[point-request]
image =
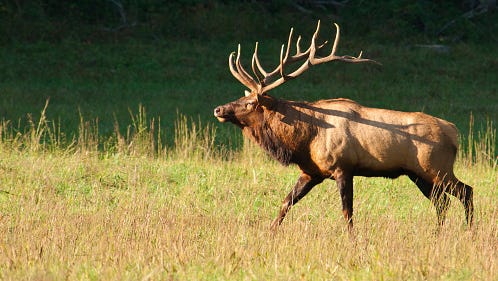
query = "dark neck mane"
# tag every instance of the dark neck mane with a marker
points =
(270, 141)
(284, 132)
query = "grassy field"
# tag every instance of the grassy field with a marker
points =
(123, 174)
(195, 212)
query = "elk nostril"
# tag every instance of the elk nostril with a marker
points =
(217, 111)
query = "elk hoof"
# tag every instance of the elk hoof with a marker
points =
(274, 226)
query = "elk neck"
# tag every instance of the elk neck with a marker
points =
(282, 132)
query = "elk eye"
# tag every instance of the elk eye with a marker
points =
(250, 105)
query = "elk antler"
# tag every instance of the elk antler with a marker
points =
(269, 80)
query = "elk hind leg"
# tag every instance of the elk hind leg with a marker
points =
(464, 193)
(437, 196)
(304, 184)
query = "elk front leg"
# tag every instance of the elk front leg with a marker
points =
(345, 185)
(304, 184)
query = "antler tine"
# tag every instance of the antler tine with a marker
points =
(282, 60)
(269, 76)
(279, 69)
(336, 40)
(259, 72)
(288, 45)
(298, 56)
(239, 73)
(298, 46)
(232, 69)
(240, 69)
(332, 55)
(312, 48)
(291, 59)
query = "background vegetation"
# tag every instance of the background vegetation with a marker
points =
(112, 167)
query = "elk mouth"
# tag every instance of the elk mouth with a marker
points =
(222, 114)
(222, 119)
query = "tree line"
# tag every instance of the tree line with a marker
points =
(430, 18)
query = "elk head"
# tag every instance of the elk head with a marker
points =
(244, 111)
(248, 109)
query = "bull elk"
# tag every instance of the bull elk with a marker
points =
(339, 138)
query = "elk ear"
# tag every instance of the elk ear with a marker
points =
(247, 93)
(266, 101)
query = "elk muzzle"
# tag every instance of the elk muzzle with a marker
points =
(223, 113)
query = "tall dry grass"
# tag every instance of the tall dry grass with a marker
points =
(131, 208)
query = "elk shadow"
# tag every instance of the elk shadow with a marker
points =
(294, 115)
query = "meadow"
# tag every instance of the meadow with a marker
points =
(113, 168)
(197, 212)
